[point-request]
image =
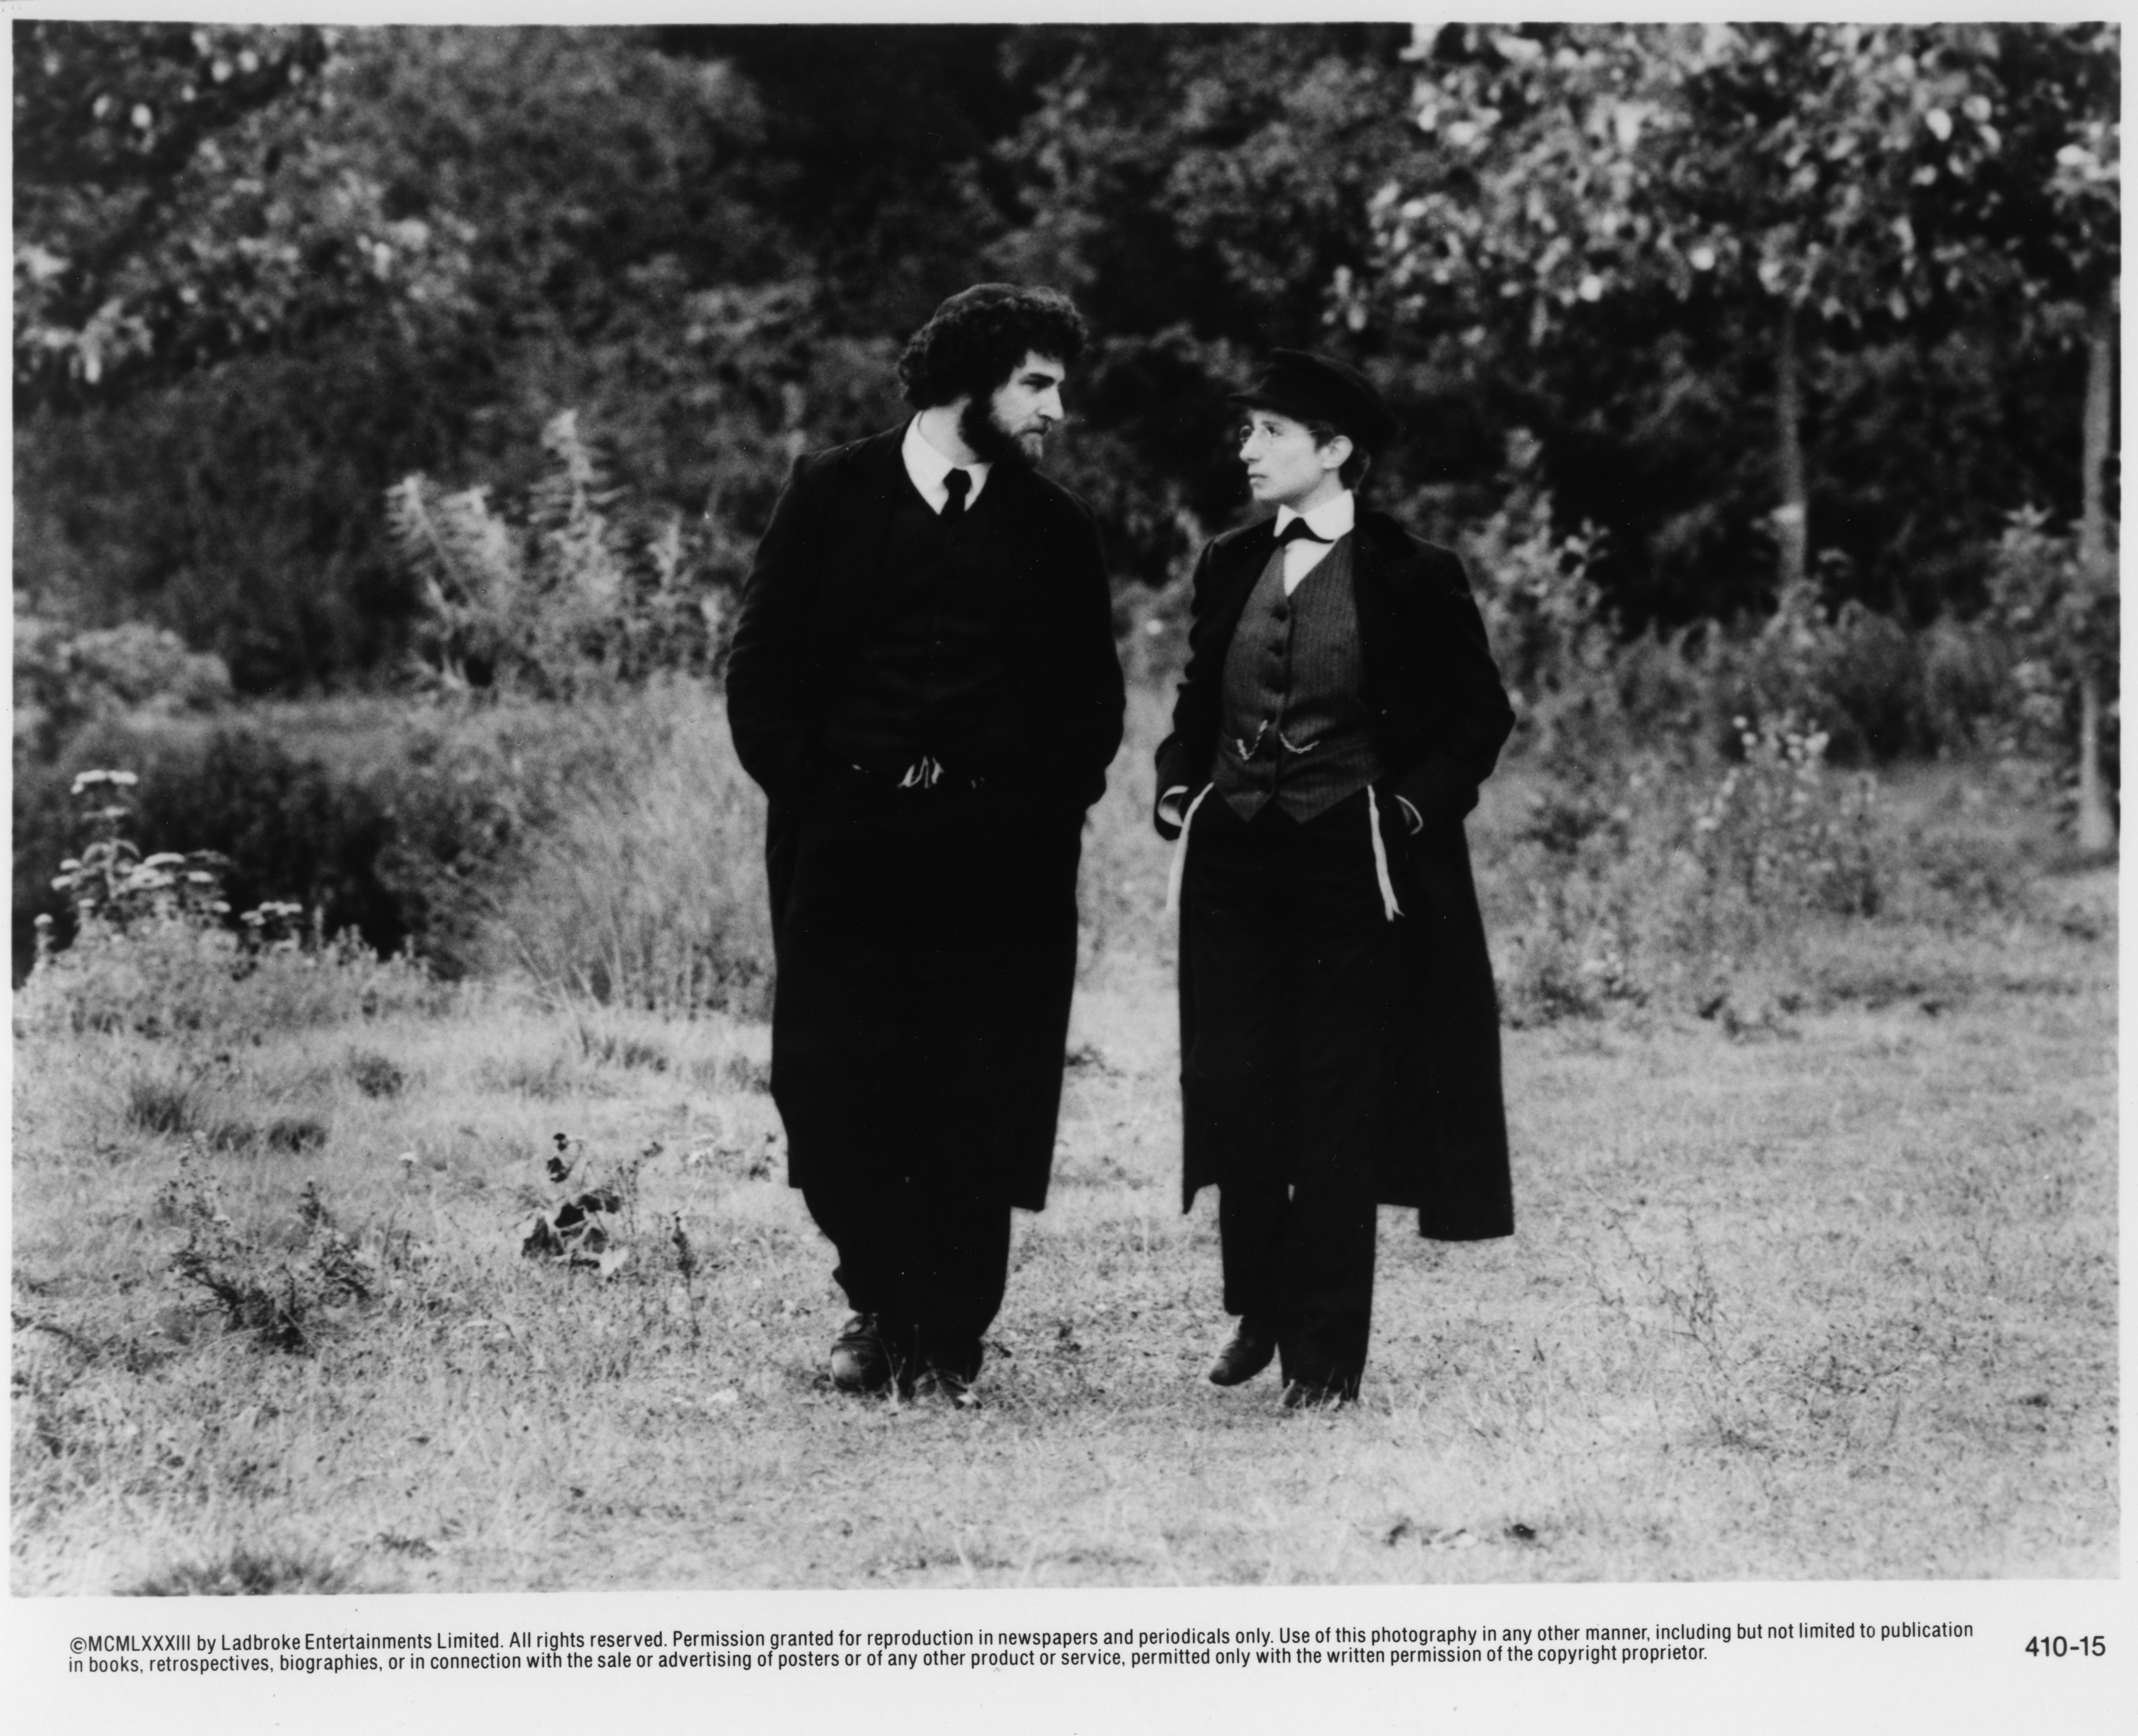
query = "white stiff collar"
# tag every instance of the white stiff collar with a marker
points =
(1330, 520)
(928, 468)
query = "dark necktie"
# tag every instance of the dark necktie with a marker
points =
(1300, 531)
(953, 509)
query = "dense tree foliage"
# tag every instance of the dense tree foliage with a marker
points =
(264, 274)
(1796, 177)
(182, 197)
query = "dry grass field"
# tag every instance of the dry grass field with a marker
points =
(1821, 1285)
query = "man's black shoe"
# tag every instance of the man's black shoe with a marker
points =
(1318, 1395)
(1246, 1354)
(861, 1363)
(936, 1384)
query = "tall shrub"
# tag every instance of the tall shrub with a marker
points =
(557, 593)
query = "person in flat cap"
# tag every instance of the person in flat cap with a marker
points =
(1340, 1031)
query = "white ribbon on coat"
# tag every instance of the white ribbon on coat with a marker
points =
(1389, 909)
(1178, 871)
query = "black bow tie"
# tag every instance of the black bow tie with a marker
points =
(1299, 530)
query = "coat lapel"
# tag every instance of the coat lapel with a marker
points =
(867, 494)
(1385, 645)
(1244, 562)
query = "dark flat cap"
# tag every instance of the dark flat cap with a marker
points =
(1308, 388)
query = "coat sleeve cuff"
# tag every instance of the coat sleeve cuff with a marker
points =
(1171, 812)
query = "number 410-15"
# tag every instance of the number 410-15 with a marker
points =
(2056, 1645)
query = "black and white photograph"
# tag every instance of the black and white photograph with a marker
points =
(1033, 808)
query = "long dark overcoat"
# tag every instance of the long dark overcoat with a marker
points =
(803, 621)
(1442, 715)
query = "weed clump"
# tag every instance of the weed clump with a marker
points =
(374, 1074)
(585, 1228)
(159, 1105)
(282, 1301)
(246, 1573)
(294, 1134)
(687, 1269)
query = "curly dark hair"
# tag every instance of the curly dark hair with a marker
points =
(972, 342)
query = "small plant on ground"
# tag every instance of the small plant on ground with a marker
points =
(687, 1269)
(375, 1074)
(283, 1300)
(583, 1228)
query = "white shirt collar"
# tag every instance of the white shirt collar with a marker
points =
(928, 468)
(1330, 519)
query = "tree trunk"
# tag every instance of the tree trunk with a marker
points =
(1791, 522)
(2096, 821)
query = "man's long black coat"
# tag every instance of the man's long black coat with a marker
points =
(1441, 716)
(802, 625)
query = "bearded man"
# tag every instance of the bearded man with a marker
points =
(922, 679)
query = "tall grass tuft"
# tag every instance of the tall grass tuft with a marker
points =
(648, 889)
(247, 1573)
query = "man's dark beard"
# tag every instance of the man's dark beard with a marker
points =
(991, 442)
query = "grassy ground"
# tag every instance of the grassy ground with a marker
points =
(1821, 1293)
